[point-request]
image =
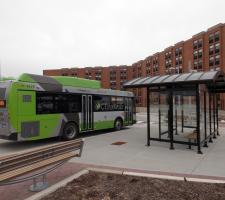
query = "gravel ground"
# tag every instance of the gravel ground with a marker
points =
(102, 186)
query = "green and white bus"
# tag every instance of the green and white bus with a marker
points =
(36, 107)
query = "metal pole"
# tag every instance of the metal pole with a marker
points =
(159, 111)
(210, 118)
(198, 119)
(205, 122)
(176, 115)
(170, 118)
(217, 114)
(182, 114)
(214, 116)
(148, 118)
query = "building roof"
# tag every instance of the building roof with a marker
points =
(176, 79)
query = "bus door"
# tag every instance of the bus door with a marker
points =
(128, 110)
(87, 113)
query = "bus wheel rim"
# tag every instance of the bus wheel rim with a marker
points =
(118, 124)
(70, 132)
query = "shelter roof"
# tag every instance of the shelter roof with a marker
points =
(176, 79)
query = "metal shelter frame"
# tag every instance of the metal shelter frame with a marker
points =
(201, 85)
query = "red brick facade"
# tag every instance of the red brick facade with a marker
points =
(203, 52)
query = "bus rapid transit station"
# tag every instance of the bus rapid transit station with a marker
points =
(36, 107)
(186, 105)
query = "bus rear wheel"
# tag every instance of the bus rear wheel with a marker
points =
(70, 131)
(118, 124)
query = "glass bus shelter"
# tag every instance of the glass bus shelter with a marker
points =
(185, 107)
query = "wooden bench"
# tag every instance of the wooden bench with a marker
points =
(191, 136)
(42, 160)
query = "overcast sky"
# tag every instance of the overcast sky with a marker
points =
(48, 34)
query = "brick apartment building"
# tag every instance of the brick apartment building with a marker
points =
(203, 52)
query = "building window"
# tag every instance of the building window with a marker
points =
(195, 44)
(98, 75)
(200, 53)
(217, 47)
(200, 64)
(113, 85)
(180, 51)
(196, 64)
(112, 75)
(74, 74)
(211, 38)
(176, 52)
(88, 75)
(211, 61)
(200, 43)
(217, 36)
(168, 62)
(217, 60)
(98, 78)
(195, 54)
(211, 49)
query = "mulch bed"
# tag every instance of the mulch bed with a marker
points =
(102, 186)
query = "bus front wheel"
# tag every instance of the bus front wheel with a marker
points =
(118, 124)
(70, 131)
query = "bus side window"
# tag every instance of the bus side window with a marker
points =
(44, 103)
(118, 103)
(67, 103)
(101, 103)
(74, 103)
(26, 98)
(48, 103)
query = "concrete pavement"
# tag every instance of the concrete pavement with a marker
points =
(135, 154)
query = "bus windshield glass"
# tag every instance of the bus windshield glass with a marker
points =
(3, 87)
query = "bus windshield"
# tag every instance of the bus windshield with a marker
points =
(3, 87)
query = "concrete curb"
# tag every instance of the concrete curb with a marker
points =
(169, 177)
(62, 183)
(153, 176)
(178, 178)
(205, 180)
(120, 172)
(58, 185)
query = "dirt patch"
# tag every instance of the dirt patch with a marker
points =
(102, 186)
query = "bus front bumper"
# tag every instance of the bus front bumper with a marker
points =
(12, 136)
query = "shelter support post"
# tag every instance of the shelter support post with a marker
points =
(217, 113)
(198, 119)
(170, 118)
(176, 115)
(214, 116)
(148, 117)
(182, 114)
(210, 118)
(205, 122)
(159, 110)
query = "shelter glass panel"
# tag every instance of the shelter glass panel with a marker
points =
(163, 113)
(182, 77)
(195, 76)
